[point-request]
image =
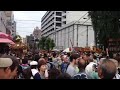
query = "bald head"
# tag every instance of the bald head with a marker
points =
(107, 69)
(115, 61)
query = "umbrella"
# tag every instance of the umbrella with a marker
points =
(4, 35)
(5, 40)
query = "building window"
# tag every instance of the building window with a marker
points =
(64, 22)
(64, 11)
(64, 16)
(58, 14)
(58, 19)
(58, 24)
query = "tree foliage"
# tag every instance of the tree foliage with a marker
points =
(46, 43)
(106, 25)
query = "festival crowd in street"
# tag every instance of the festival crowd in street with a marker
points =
(54, 65)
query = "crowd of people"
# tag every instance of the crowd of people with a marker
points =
(60, 65)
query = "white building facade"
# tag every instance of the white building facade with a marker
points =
(51, 21)
(75, 35)
(75, 28)
(70, 16)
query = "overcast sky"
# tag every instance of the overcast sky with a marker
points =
(24, 26)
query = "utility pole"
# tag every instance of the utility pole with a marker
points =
(87, 37)
(71, 44)
(77, 35)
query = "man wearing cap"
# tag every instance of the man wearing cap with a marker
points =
(34, 69)
(5, 71)
(13, 67)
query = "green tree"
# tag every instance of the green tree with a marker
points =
(106, 25)
(52, 44)
(46, 43)
(41, 43)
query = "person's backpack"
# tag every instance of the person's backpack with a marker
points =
(51, 65)
(25, 66)
(64, 67)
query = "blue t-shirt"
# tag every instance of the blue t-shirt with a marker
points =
(64, 67)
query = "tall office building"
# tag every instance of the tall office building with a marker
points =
(54, 21)
(51, 21)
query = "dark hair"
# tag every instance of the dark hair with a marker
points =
(33, 66)
(95, 57)
(36, 57)
(19, 70)
(53, 73)
(108, 69)
(81, 64)
(64, 76)
(15, 61)
(110, 55)
(27, 73)
(50, 59)
(25, 60)
(68, 54)
(45, 55)
(40, 63)
(74, 56)
(54, 55)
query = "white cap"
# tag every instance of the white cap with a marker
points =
(34, 63)
(5, 62)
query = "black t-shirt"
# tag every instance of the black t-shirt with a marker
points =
(37, 76)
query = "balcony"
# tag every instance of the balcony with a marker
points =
(51, 22)
(45, 15)
(47, 21)
(45, 18)
(48, 29)
(58, 21)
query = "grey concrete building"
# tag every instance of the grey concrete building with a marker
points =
(73, 30)
(51, 21)
(3, 20)
(75, 35)
(7, 23)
